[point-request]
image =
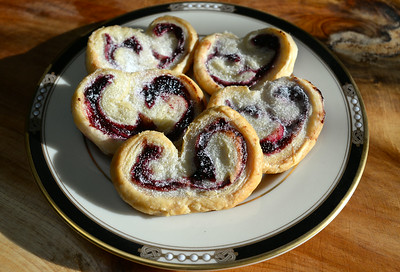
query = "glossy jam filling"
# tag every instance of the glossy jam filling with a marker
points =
(99, 119)
(161, 87)
(161, 29)
(205, 169)
(141, 173)
(110, 47)
(286, 130)
(265, 41)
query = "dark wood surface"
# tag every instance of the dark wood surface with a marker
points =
(365, 35)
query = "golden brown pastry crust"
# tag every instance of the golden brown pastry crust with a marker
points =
(237, 49)
(123, 104)
(302, 143)
(188, 199)
(149, 44)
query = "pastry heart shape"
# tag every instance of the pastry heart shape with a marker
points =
(218, 167)
(110, 106)
(287, 113)
(167, 43)
(223, 59)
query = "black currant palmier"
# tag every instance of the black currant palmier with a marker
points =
(168, 43)
(287, 113)
(109, 106)
(223, 59)
(219, 166)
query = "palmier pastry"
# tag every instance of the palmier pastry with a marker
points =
(287, 113)
(218, 167)
(223, 59)
(110, 106)
(168, 43)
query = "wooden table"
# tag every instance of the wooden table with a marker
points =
(365, 236)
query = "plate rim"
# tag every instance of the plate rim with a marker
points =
(359, 149)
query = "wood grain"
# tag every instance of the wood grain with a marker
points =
(364, 237)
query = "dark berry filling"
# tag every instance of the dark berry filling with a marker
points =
(252, 110)
(278, 140)
(142, 174)
(205, 169)
(265, 41)
(111, 46)
(161, 29)
(98, 118)
(286, 130)
(162, 86)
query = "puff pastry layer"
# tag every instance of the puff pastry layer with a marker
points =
(109, 106)
(219, 166)
(168, 43)
(288, 115)
(223, 59)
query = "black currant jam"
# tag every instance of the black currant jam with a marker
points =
(205, 170)
(161, 87)
(262, 41)
(252, 110)
(141, 172)
(98, 118)
(288, 129)
(110, 47)
(161, 29)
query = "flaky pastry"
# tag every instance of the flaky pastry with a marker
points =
(168, 43)
(109, 106)
(287, 113)
(219, 166)
(223, 59)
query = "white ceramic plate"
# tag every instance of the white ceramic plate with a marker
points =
(285, 211)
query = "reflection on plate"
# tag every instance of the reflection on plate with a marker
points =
(286, 210)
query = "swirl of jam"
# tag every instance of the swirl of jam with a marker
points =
(142, 174)
(265, 41)
(99, 119)
(286, 130)
(205, 171)
(110, 47)
(161, 87)
(161, 29)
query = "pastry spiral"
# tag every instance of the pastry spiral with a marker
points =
(218, 167)
(168, 43)
(287, 113)
(109, 106)
(223, 59)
